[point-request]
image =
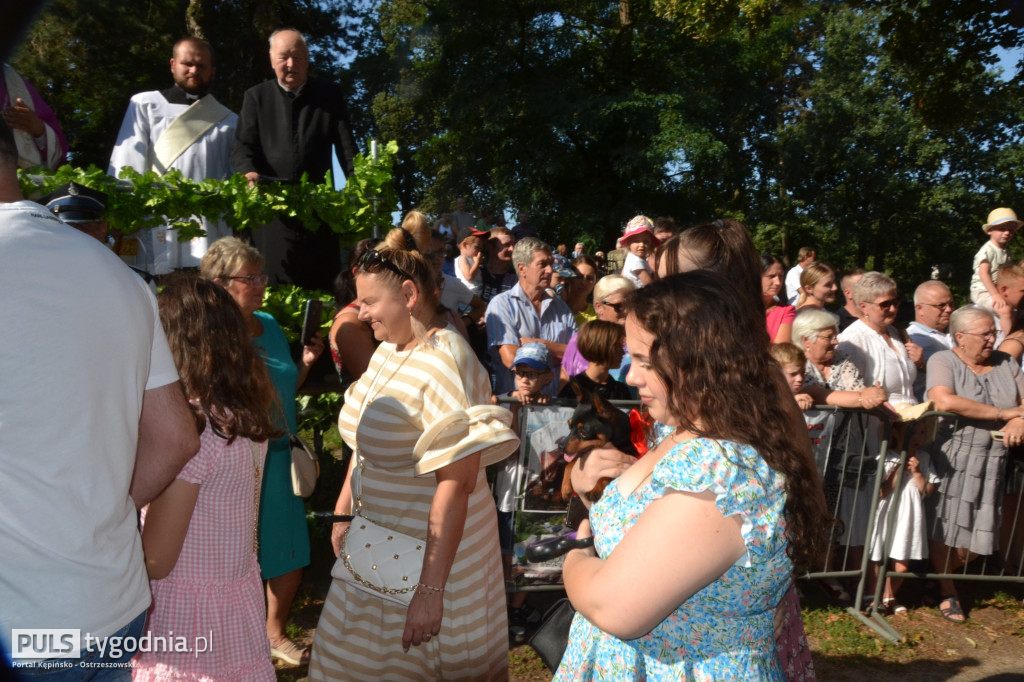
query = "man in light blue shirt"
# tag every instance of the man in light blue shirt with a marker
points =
(526, 313)
(933, 304)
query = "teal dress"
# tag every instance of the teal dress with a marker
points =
(283, 534)
(724, 631)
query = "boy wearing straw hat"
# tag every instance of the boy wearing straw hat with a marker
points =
(1001, 225)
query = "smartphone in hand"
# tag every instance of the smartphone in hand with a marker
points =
(311, 320)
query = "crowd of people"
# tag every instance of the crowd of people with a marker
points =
(959, 494)
(164, 503)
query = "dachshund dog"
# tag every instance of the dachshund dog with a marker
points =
(594, 423)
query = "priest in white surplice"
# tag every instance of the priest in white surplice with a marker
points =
(182, 127)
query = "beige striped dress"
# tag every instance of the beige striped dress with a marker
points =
(359, 636)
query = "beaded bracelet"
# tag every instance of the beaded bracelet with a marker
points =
(429, 589)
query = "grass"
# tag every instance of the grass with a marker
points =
(839, 634)
(294, 631)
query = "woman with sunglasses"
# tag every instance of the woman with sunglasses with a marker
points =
(884, 356)
(985, 388)
(610, 294)
(283, 535)
(421, 422)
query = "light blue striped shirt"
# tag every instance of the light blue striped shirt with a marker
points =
(511, 316)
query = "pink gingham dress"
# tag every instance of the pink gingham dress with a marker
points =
(214, 591)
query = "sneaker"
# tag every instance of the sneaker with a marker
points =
(524, 616)
(517, 634)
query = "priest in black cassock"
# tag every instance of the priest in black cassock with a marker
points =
(286, 128)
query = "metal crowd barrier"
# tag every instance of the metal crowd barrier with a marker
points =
(1006, 562)
(851, 447)
(539, 510)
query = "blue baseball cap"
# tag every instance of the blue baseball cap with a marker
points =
(533, 354)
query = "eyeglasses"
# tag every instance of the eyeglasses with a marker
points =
(617, 307)
(529, 374)
(940, 306)
(892, 303)
(373, 258)
(828, 338)
(252, 280)
(988, 336)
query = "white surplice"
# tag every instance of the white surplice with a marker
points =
(149, 114)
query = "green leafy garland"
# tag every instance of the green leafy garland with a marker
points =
(144, 200)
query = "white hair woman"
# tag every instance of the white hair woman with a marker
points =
(610, 293)
(984, 387)
(284, 536)
(876, 346)
(832, 378)
(831, 371)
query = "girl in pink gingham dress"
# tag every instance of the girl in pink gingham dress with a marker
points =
(208, 619)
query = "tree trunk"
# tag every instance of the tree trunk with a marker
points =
(194, 18)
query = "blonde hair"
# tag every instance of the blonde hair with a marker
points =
(1008, 273)
(872, 285)
(402, 251)
(811, 275)
(226, 256)
(610, 284)
(787, 354)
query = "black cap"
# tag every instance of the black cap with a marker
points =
(74, 203)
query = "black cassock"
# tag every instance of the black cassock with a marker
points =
(282, 136)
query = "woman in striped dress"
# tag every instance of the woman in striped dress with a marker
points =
(421, 374)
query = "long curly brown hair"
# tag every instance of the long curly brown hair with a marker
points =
(218, 366)
(722, 383)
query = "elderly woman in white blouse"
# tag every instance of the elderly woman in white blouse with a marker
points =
(884, 356)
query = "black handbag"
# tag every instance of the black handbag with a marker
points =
(552, 635)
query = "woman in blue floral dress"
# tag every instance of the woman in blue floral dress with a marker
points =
(695, 543)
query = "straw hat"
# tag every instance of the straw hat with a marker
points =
(1004, 217)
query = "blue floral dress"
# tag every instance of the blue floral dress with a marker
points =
(724, 631)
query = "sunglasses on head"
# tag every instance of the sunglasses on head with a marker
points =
(372, 260)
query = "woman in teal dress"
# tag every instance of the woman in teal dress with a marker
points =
(695, 543)
(283, 535)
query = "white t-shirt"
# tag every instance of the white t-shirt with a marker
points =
(995, 257)
(632, 265)
(793, 283)
(455, 295)
(79, 344)
(474, 284)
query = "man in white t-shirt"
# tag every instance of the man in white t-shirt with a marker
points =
(804, 257)
(93, 425)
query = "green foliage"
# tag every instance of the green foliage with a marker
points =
(876, 130)
(145, 200)
(868, 180)
(287, 305)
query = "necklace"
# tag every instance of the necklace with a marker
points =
(970, 365)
